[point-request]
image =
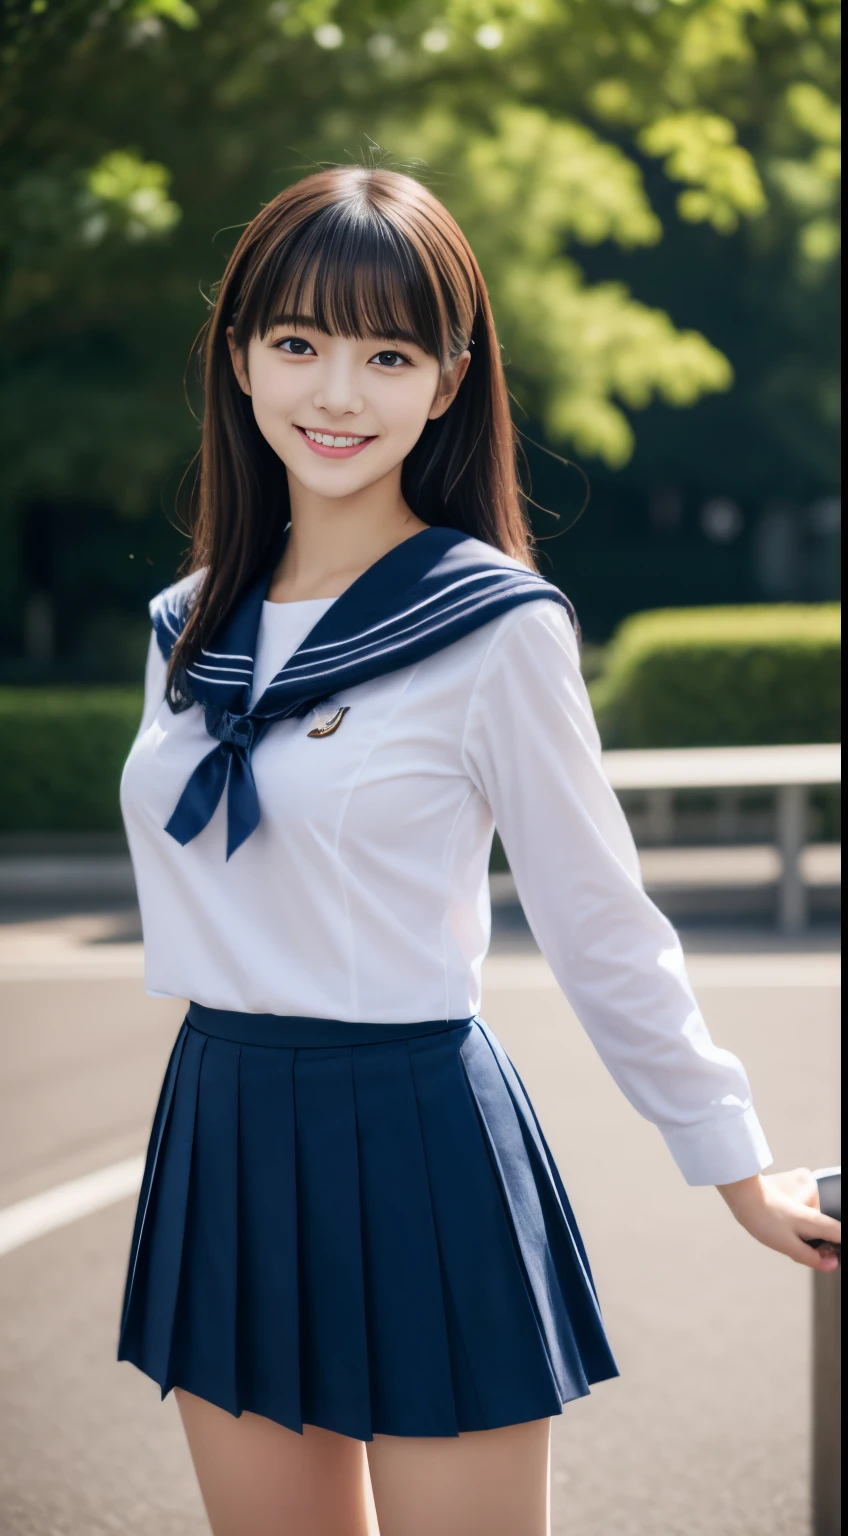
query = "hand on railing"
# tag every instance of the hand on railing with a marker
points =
(782, 1210)
(829, 1181)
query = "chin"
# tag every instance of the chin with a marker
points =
(334, 485)
(336, 478)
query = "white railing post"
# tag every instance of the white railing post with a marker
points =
(659, 822)
(791, 837)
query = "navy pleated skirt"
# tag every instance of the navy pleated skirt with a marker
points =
(359, 1227)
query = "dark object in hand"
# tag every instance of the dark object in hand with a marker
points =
(829, 1181)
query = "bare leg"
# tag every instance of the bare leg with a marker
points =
(258, 1479)
(492, 1483)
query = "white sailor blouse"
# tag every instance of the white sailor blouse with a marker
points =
(362, 894)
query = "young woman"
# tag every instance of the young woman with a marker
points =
(351, 1236)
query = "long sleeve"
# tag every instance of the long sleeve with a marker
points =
(531, 746)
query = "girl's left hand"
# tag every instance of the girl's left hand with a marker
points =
(780, 1210)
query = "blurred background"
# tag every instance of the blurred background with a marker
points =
(652, 188)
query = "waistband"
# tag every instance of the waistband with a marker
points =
(288, 1029)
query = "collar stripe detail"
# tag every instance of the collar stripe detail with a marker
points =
(425, 593)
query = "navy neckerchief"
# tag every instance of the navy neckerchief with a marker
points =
(426, 592)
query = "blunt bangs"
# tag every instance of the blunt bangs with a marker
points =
(349, 271)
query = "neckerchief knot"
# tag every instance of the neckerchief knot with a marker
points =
(231, 730)
(426, 593)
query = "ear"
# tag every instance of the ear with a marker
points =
(239, 361)
(449, 385)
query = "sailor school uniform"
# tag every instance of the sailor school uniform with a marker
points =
(350, 1216)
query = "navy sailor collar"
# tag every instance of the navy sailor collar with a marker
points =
(425, 593)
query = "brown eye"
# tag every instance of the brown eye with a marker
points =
(295, 346)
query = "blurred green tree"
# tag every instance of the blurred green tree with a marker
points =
(136, 136)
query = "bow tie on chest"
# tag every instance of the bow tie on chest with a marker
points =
(424, 594)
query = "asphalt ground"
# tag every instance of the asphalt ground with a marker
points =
(707, 1429)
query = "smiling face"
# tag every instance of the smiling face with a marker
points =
(341, 412)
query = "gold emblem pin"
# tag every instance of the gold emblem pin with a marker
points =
(330, 725)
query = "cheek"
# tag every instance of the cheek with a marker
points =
(406, 409)
(267, 378)
(274, 395)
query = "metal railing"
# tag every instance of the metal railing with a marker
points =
(789, 771)
(827, 1377)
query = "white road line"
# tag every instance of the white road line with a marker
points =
(27, 1219)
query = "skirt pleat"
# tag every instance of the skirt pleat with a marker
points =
(371, 1238)
(335, 1386)
(405, 1318)
(139, 1251)
(204, 1343)
(149, 1329)
(501, 1359)
(269, 1288)
(515, 1175)
(568, 1257)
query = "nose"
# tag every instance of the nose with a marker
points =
(337, 390)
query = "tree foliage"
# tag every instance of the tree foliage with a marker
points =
(137, 135)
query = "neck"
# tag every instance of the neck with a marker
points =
(333, 540)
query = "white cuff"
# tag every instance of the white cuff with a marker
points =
(720, 1152)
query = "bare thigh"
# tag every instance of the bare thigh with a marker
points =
(492, 1483)
(259, 1479)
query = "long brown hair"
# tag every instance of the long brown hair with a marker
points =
(364, 253)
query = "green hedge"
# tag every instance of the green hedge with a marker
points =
(709, 677)
(63, 751)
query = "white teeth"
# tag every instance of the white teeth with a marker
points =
(328, 441)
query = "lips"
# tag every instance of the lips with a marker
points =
(333, 445)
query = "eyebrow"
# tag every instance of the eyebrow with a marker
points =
(308, 322)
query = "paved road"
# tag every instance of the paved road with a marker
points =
(706, 1431)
